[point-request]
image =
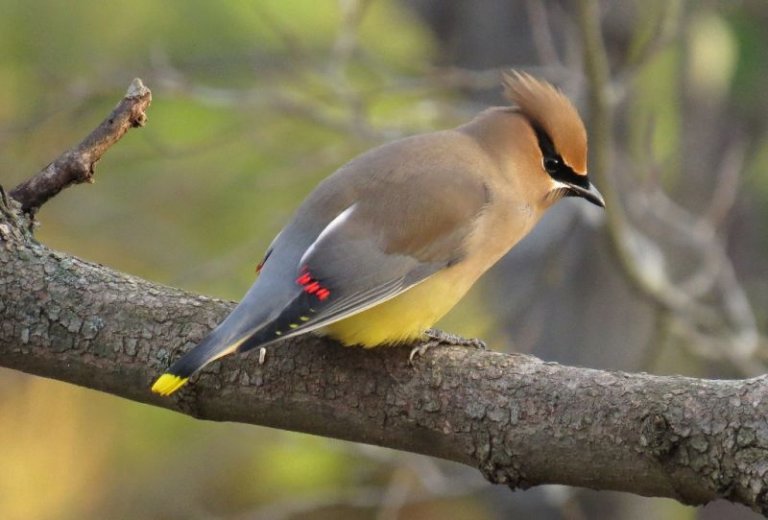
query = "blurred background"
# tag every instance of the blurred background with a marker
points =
(256, 101)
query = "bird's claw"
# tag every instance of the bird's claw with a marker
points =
(262, 355)
(420, 350)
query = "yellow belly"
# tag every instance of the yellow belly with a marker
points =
(403, 318)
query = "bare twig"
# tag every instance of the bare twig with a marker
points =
(77, 164)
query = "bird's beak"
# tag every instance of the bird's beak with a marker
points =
(590, 193)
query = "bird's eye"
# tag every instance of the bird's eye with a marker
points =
(551, 163)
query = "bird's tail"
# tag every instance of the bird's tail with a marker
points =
(241, 330)
(210, 349)
(253, 323)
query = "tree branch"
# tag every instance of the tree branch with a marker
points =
(76, 165)
(522, 422)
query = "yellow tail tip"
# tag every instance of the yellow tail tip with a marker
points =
(167, 384)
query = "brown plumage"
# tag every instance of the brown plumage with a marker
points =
(385, 246)
(546, 106)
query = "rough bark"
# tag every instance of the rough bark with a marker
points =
(521, 421)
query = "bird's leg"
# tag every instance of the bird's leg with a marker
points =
(262, 355)
(437, 337)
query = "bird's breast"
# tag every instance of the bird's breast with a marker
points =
(405, 317)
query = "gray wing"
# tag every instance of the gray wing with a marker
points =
(369, 253)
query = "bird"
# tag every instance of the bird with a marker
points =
(386, 245)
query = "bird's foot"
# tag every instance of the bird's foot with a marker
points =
(446, 338)
(437, 337)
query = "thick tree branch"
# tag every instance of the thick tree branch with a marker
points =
(522, 422)
(76, 165)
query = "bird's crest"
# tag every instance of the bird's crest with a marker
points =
(549, 109)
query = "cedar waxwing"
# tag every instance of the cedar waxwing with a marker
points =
(390, 242)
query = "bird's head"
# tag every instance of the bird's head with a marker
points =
(562, 139)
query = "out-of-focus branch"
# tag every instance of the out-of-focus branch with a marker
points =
(653, 33)
(713, 274)
(601, 119)
(326, 114)
(413, 487)
(601, 147)
(541, 31)
(346, 42)
(642, 260)
(728, 183)
(77, 164)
